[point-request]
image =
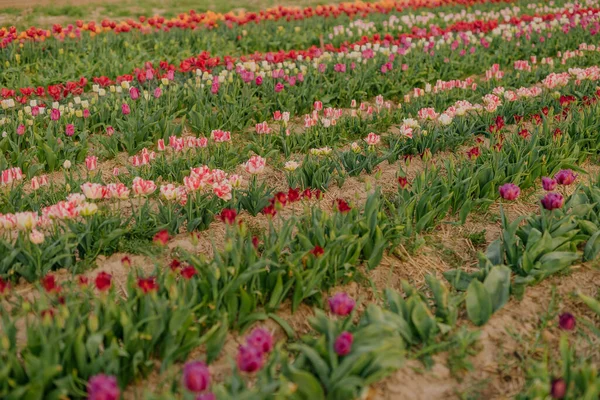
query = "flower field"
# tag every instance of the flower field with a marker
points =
(387, 200)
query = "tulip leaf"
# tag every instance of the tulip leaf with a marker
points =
(497, 284)
(479, 303)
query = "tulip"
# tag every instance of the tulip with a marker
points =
(36, 237)
(255, 165)
(91, 162)
(403, 182)
(566, 321)
(134, 93)
(50, 285)
(341, 304)
(4, 286)
(70, 130)
(249, 359)
(126, 261)
(565, 177)
(343, 343)
(260, 339)
(93, 191)
(188, 272)
(372, 139)
(103, 387)
(317, 251)
(509, 191)
(558, 388)
(55, 114)
(552, 201)
(223, 190)
(342, 206)
(148, 284)
(196, 376)
(293, 195)
(103, 281)
(228, 216)
(548, 183)
(161, 237)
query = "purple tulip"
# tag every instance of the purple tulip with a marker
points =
(509, 191)
(261, 339)
(196, 376)
(249, 358)
(548, 184)
(341, 304)
(566, 321)
(343, 343)
(103, 387)
(565, 177)
(552, 201)
(558, 388)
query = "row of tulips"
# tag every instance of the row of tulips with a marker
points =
(41, 137)
(194, 20)
(101, 232)
(70, 59)
(463, 37)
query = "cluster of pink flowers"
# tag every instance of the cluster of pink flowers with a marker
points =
(30, 221)
(221, 183)
(522, 65)
(11, 175)
(494, 73)
(263, 128)
(178, 144)
(143, 158)
(554, 200)
(329, 118)
(555, 80)
(39, 181)
(252, 356)
(219, 136)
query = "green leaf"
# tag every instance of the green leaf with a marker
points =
(307, 385)
(497, 284)
(289, 331)
(479, 303)
(592, 247)
(423, 320)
